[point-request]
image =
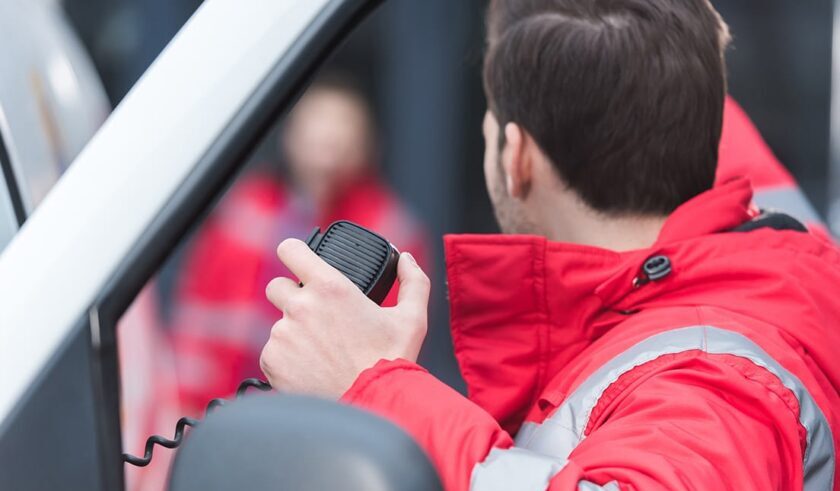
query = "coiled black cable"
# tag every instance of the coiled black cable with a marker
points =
(180, 427)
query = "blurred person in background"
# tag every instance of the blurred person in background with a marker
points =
(220, 313)
(148, 391)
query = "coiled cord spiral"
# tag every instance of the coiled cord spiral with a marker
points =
(182, 424)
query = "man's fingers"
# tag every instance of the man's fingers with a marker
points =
(414, 287)
(303, 262)
(280, 290)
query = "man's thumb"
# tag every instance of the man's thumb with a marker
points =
(413, 297)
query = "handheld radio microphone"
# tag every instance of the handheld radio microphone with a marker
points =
(367, 259)
(364, 257)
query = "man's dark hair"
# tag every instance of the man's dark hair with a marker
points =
(624, 96)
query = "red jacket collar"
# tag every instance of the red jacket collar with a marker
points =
(522, 307)
(720, 209)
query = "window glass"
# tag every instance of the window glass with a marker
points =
(198, 327)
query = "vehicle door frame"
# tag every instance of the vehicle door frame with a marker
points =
(206, 183)
(10, 181)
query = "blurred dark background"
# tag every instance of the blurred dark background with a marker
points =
(420, 61)
(780, 71)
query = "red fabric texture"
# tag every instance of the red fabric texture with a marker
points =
(693, 421)
(532, 319)
(221, 317)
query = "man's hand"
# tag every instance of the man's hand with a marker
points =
(330, 331)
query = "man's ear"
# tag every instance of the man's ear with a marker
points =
(517, 161)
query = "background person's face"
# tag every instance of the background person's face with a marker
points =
(327, 142)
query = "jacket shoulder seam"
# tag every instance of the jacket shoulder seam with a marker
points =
(747, 369)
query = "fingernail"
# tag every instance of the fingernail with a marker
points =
(411, 258)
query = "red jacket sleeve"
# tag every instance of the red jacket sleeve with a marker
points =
(702, 424)
(455, 433)
(705, 424)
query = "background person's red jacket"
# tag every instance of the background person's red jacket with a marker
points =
(221, 318)
(743, 152)
(722, 374)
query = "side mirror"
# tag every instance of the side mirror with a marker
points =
(280, 442)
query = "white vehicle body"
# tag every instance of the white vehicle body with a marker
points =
(161, 157)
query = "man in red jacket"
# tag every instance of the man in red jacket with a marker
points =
(646, 330)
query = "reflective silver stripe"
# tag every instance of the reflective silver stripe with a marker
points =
(588, 486)
(563, 431)
(514, 469)
(789, 200)
(518, 469)
(235, 324)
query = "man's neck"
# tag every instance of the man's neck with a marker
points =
(579, 224)
(624, 234)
